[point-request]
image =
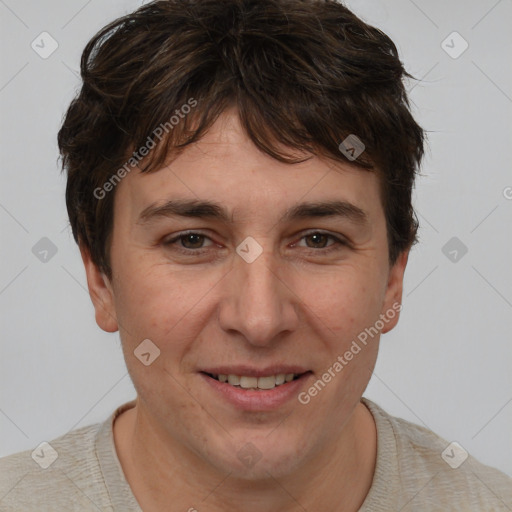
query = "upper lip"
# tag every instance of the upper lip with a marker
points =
(251, 371)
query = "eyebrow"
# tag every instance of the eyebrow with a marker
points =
(210, 210)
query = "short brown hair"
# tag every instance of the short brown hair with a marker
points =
(303, 74)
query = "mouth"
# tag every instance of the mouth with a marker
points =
(255, 383)
(257, 390)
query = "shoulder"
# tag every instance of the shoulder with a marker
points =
(431, 473)
(62, 474)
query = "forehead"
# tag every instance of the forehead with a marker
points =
(225, 167)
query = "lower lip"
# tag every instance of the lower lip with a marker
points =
(264, 400)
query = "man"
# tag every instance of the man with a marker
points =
(239, 184)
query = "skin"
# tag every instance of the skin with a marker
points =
(296, 303)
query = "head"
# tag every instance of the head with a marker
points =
(226, 119)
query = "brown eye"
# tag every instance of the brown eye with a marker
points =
(191, 243)
(322, 243)
(192, 240)
(319, 240)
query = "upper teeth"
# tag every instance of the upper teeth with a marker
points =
(245, 382)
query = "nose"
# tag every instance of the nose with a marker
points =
(258, 303)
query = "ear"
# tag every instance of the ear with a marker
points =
(101, 292)
(393, 296)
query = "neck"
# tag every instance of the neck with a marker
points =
(338, 477)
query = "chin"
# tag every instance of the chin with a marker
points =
(257, 457)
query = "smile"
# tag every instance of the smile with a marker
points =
(248, 382)
(248, 389)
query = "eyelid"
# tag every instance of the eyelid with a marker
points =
(336, 236)
(339, 240)
(175, 237)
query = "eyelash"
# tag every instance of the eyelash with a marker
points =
(337, 245)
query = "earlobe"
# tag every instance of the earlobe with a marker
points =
(393, 298)
(101, 293)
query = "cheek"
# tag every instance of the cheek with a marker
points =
(345, 302)
(166, 306)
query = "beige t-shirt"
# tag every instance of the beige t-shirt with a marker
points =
(410, 474)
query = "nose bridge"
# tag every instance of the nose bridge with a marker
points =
(257, 303)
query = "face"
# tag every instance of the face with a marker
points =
(279, 274)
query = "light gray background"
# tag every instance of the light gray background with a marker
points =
(446, 366)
